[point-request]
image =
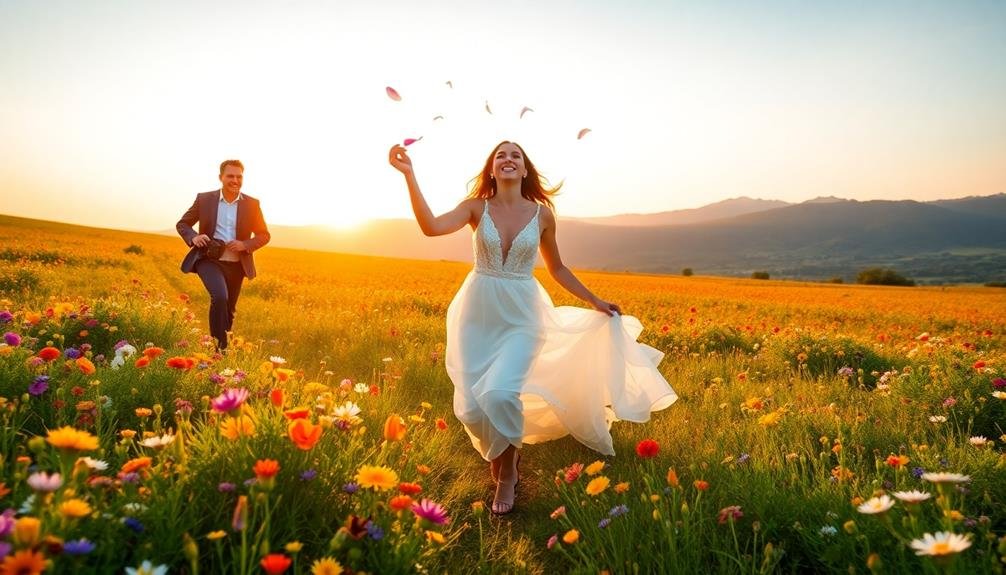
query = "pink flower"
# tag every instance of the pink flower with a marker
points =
(430, 511)
(573, 472)
(732, 513)
(230, 400)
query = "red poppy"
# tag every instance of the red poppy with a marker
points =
(275, 563)
(647, 448)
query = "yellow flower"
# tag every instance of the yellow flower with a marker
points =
(376, 477)
(594, 468)
(314, 388)
(75, 508)
(143, 412)
(770, 419)
(435, 537)
(235, 427)
(571, 537)
(597, 485)
(127, 433)
(426, 405)
(72, 439)
(215, 535)
(622, 487)
(326, 566)
(293, 547)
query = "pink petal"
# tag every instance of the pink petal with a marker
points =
(410, 141)
(393, 94)
(583, 133)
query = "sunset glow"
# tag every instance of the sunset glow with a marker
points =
(118, 114)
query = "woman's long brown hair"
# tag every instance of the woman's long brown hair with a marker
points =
(534, 187)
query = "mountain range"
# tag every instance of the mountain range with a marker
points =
(945, 241)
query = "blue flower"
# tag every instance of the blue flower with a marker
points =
(917, 472)
(604, 522)
(351, 487)
(134, 524)
(743, 458)
(72, 353)
(375, 531)
(78, 547)
(619, 510)
(308, 475)
(226, 487)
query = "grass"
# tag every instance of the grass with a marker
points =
(764, 419)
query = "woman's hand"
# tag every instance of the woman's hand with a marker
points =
(400, 160)
(606, 307)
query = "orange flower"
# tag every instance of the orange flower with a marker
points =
(85, 366)
(297, 412)
(48, 353)
(571, 537)
(152, 352)
(303, 433)
(26, 562)
(672, 478)
(70, 439)
(4, 490)
(422, 469)
(283, 374)
(897, 461)
(143, 412)
(276, 397)
(178, 362)
(410, 488)
(701, 485)
(394, 428)
(266, 468)
(136, 464)
(400, 502)
(275, 563)
(441, 424)
(142, 362)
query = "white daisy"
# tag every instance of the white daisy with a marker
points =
(876, 505)
(941, 544)
(944, 477)
(913, 496)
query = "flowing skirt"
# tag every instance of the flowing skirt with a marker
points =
(525, 371)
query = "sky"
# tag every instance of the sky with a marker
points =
(115, 113)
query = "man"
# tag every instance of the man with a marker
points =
(236, 221)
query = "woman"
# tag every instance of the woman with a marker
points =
(525, 371)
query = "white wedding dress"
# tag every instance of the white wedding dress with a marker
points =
(525, 371)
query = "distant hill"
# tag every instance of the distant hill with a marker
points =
(945, 241)
(716, 211)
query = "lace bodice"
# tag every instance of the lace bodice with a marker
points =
(488, 247)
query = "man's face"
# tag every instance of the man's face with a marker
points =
(231, 180)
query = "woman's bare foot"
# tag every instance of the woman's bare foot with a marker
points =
(506, 482)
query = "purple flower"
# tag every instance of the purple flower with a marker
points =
(85, 347)
(6, 522)
(239, 375)
(6, 316)
(351, 487)
(604, 522)
(72, 353)
(226, 487)
(39, 385)
(917, 472)
(183, 406)
(91, 323)
(121, 343)
(430, 511)
(217, 379)
(35, 361)
(131, 477)
(619, 510)
(134, 524)
(999, 383)
(78, 547)
(308, 475)
(375, 531)
(12, 339)
(230, 400)
(743, 458)
(5, 548)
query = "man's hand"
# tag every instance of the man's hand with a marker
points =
(236, 246)
(201, 241)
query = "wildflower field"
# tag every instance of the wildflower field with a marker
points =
(820, 427)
